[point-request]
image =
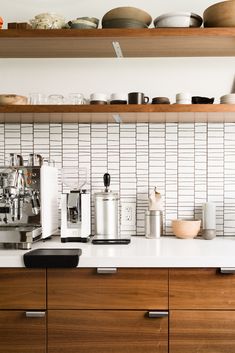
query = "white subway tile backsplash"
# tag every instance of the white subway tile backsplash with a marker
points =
(189, 163)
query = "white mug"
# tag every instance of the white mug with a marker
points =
(99, 97)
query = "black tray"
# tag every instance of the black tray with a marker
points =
(52, 258)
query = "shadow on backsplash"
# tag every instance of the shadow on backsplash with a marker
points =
(189, 163)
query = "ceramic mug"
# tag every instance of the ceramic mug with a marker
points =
(98, 98)
(137, 98)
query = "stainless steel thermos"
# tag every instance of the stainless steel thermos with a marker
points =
(153, 224)
(106, 212)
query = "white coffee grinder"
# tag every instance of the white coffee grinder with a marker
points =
(75, 207)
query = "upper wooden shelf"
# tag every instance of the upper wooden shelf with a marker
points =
(100, 43)
(215, 113)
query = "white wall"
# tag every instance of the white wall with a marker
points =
(155, 77)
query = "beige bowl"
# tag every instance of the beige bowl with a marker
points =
(185, 229)
(11, 99)
(221, 14)
(128, 12)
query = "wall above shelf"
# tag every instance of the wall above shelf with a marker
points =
(105, 43)
(216, 113)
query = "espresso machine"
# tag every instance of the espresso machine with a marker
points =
(75, 207)
(28, 201)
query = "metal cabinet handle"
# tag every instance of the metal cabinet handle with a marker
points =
(106, 270)
(227, 270)
(36, 314)
(157, 314)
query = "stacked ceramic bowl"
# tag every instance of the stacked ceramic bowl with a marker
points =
(84, 23)
(47, 21)
(228, 99)
(178, 19)
(126, 17)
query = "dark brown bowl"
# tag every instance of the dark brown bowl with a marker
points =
(202, 100)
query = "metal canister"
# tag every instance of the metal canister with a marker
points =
(107, 214)
(153, 224)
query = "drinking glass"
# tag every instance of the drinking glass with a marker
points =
(56, 99)
(76, 98)
(37, 98)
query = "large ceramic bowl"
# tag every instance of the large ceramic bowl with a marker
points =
(221, 14)
(128, 12)
(123, 23)
(178, 19)
(185, 229)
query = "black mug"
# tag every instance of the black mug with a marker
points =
(137, 98)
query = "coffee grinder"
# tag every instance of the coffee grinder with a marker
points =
(75, 207)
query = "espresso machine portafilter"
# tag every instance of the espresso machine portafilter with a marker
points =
(75, 207)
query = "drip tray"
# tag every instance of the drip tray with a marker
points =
(52, 258)
(97, 240)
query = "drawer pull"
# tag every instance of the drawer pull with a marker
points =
(106, 270)
(227, 270)
(157, 314)
(35, 314)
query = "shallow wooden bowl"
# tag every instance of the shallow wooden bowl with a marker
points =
(221, 14)
(11, 99)
(128, 12)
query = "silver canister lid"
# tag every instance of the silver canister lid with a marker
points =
(107, 195)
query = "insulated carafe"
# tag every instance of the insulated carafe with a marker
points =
(106, 212)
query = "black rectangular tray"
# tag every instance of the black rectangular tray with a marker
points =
(52, 258)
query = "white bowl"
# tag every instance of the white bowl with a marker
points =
(178, 19)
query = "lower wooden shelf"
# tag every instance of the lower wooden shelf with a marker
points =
(161, 113)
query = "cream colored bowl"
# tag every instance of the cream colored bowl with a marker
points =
(221, 14)
(185, 229)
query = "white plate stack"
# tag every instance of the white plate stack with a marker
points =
(228, 99)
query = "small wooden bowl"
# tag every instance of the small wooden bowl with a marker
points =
(12, 99)
(185, 229)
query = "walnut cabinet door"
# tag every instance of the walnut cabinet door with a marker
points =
(202, 331)
(22, 331)
(107, 331)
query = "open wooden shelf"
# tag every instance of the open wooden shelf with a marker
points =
(98, 43)
(117, 113)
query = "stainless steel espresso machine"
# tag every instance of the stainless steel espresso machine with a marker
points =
(28, 201)
(75, 207)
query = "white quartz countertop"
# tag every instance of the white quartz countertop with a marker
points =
(141, 252)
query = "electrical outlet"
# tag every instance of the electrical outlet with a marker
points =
(128, 214)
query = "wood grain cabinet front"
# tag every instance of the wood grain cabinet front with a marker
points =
(22, 310)
(203, 331)
(22, 332)
(201, 289)
(22, 288)
(106, 331)
(124, 289)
